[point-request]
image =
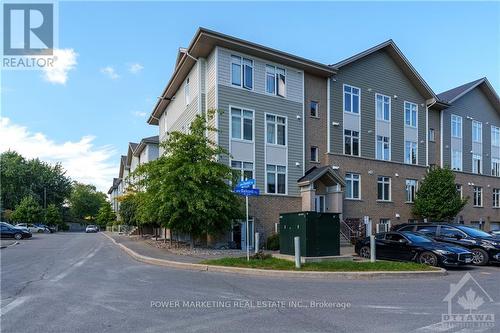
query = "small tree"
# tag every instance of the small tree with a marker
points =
(28, 211)
(53, 215)
(437, 197)
(105, 215)
(128, 209)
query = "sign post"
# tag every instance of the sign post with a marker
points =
(245, 187)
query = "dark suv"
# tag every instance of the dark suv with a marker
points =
(484, 247)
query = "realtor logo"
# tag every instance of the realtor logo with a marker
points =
(28, 29)
(464, 305)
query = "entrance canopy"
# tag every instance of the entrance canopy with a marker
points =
(321, 190)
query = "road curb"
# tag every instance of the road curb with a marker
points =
(278, 273)
(6, 246)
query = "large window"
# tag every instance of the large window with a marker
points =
(352, 186)
(383, 148)
(276, 179)
(351, 142)
(275, 130)
(410, 152)
(411, 190)
(411, 114)
(383, 107)
(495, 136)
(242, 72)
(351, 99)
(456, 160)
(495, 167)
(456, 126)
(496, 197)
(477, 131)
(275, 80)
(244, 169)
(478, 196)
(476, 164)
(241, 124)
(384, 188)
(314, 106)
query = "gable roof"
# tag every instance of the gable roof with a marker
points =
(116, 182)
(154, 140)
(456, 93)
(398, 56)
(315, 173)
(123, 165)
(131, 148)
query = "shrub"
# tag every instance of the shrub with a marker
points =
(261, 256)
(273, 242)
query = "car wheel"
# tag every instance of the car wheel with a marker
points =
(364, 252)
(18, 236)
(40, 231)
(428, 258)
(479, 257)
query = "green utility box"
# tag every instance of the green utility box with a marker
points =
(319, 233)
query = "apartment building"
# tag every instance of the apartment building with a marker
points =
(353, 138)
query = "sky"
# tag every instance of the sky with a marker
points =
(115, 58)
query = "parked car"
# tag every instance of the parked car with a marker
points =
(412, 246)
(47, 228)
(30, 227)
(91, 228)
(484, 247)
(9, 231)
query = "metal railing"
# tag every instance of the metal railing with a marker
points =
(351, 230)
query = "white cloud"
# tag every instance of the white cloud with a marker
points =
(110, 72)
(140, 114)
(135, 68)
(64, 61)
(83, 161)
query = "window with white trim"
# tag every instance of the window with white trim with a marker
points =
(410, 152)
(275, 80)
(383, 107)
(411, 114)
(275, 130)
(314, 154)
(476, 164)
(383, 188)
(383, 148)
(314, 106)
(351, 142)
(432, 135)
(242, 72)
(496, 197)
(353, 186)
(244, 169)
(495, 136)
(456, 159)
(477, 131)
(411, 190)
(456, 126)
(495, 167)
(478, 196)
(276, 179)
(187, 97)
(351, 99)
(241, 124)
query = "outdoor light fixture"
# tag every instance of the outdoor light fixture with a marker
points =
(298, 116)
(297, 164)
(335, 123)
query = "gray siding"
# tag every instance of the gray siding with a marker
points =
(377, 73)
(434, 149)
(261, 104)
(184, 120)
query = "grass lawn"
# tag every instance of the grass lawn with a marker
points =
(327, 266)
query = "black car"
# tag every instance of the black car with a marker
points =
(412, 246)
(484, 247)
(9, 231)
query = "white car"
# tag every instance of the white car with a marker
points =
(30, 227)
(91, 228)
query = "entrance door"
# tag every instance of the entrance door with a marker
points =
(236, 235)
(251, 232)
(319, 203)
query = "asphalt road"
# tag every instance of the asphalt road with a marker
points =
(75, 282)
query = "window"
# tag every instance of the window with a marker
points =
(432, 135)
(276, 130)
(495, 167)
(244, 169)
(351, 142)
(410, 152)
(456, 160)
(276, 179)
(476, 164)
(351, 99)
(450, 232)
(314, 154)
(478, 196)
(411, 190)
(383, 148)
(187, 98)
(395, 238)
(241, 124)
(496, 197)
(477, 131)
(242, 72)
(495, 136)
(428, 230)
(456, 126)
(275, 80)
(352, 187)
(383, 107)
(410, 114)
(384, 188)
(314, 109)
(459, 190)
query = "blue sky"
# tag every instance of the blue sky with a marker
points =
(449, 44)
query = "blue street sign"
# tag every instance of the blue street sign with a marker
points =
(246, 183)
(250, 192)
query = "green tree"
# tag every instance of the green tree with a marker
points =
(437, 198)
(128, 209)
(28, 211)
(187, 189)
(53, 215)
(105, 215)
(85, 201)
